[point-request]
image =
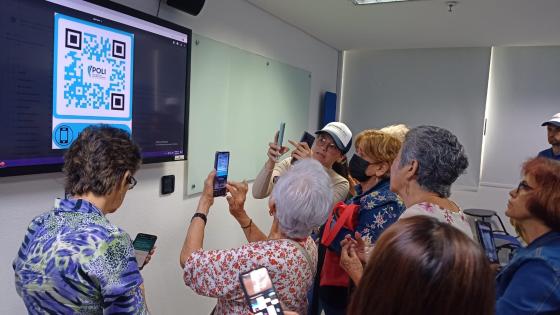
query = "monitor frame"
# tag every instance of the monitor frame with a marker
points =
(53, 168)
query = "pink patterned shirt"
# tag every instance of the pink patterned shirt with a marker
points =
(457, 219)
(215, 273)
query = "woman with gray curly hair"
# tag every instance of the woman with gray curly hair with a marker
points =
(300, 202)
(429, 162)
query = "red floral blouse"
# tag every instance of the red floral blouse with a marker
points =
(215, 273)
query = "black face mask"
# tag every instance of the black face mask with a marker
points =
(358, 168)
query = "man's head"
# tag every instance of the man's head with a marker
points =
(553, 129)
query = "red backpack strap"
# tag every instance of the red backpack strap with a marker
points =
(330, 231)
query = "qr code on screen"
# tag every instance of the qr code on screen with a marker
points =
(93, 70)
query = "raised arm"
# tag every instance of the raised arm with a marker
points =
(236, 201)
(263, 182)
(195, 232)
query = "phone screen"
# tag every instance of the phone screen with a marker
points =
(487, 241)
(143, 244)
(221, 164)
(281, 134)
(260, 292)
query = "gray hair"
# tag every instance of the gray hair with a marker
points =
(303, 198)
(440, 156)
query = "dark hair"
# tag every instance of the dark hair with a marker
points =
(423, 266)
(341, 168)
(544, 203)
(441, 158)
(98, 159)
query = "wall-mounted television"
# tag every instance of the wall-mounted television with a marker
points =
(67, 64)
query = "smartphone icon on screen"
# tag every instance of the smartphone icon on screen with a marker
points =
(143, 244)
(221, 165)
(260, 292)
(63, 135)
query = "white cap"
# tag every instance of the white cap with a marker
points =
(341, 134)
(555, 120)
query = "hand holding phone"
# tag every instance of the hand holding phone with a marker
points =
(307, 138)
(260, 292)
(143, 244)
(221, 165)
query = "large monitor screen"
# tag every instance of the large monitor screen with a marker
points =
(67, 64)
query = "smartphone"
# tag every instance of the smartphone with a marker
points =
(221, 165)
(281, 134)
(143, 244)
(259, 292)
(307, 138)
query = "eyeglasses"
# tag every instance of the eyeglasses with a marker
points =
(324, 141)
(523, 186)
(131, 182)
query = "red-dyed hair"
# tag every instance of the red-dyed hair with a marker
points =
(545, 200)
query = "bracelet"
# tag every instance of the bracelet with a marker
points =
(200, 215)
(248, 225)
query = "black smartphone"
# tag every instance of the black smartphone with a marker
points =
(281, 134)
(143, 244)
(307, 138)
(486, 239)
(221, 165)
(259, 292)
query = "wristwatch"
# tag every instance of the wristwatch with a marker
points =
(200, 215)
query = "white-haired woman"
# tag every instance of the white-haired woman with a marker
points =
(300, 202)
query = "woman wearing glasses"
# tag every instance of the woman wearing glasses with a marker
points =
(72, 259)
(332, 142)
(530, 283)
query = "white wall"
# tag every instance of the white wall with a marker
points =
(444, 87)
(237, 23)
(522, 93)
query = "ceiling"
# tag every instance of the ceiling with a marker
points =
(423, 23)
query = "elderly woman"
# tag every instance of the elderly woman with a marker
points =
(332, 142)
(379, 207)
(421, 265)
(73, 260)
(300, 202)
(530, 283)
(429, 162)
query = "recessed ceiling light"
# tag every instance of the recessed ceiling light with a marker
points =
(358, 2)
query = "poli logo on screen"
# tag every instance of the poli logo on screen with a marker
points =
(96, 72)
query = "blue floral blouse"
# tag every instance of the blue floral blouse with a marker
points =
(74, 261)
(379, 208)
